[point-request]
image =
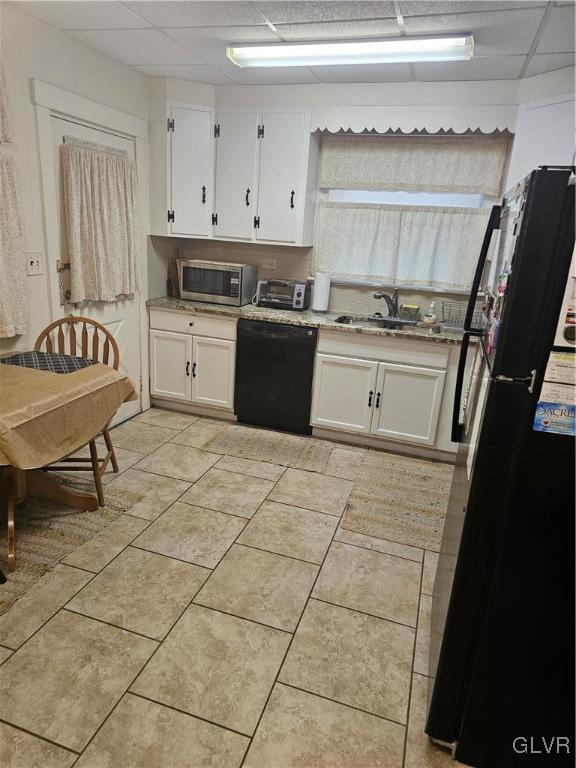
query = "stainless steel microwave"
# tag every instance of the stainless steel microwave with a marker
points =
(216, 282)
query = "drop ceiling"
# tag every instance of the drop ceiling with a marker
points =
(188, 39)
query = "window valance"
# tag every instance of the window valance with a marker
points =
(414, 163)
(415, 246)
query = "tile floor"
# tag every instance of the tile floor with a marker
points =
(226, 620)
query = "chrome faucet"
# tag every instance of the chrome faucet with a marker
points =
(391, 301)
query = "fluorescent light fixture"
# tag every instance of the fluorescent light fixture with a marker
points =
(390, 51)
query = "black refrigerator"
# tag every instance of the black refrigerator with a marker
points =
(501, 670)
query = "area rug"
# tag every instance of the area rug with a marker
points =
(274, 447)
(46, 532)
(400, 499)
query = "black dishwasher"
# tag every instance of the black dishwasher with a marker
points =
(274, 369)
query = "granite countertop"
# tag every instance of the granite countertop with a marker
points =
(324, 320)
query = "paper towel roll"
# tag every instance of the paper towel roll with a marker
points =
(321, 292)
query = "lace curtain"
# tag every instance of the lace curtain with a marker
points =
(414, 163)
(400, 245)
(100, 189)
(13, 279)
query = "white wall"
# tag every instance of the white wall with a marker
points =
(31, 49)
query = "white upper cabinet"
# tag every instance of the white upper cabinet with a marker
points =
(280, 192)
(191, 171)
(236, 179)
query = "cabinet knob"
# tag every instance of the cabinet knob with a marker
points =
(370, 397)
(203, 195)
(292, 199)
(194, 371)
(187, 367)
(248, 196)
(378, 395)
(191, 323)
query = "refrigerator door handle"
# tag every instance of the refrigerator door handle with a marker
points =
(457, 425)
(493, 223)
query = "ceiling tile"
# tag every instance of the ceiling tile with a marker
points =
(84, 15)
(287, 12)
(490, 68)
(546, 62)
(201, 73)
(268, 75)
(374, 73)
(197, 14)
(138, 46)
(440, 7)
(558, 36)
(495, 34)
(339, 29)
(210, 43)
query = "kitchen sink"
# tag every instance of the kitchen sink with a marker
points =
(377, 320)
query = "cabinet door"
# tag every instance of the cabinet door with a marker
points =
(236, 177)
(170, 364)
(192, 171)
(343, 393)
(213, 372)
(408, 403)
(280, 173)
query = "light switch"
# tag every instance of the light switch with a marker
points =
(34, 263)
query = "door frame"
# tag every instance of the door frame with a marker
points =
(50, 101)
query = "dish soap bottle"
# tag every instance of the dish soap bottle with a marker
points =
(430, 316)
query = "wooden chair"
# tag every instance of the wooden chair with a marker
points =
(103, 350)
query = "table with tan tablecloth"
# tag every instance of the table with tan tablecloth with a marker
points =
(45, 416)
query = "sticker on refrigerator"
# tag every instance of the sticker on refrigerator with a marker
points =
(566, 329)
(561, 368)
(556, 409)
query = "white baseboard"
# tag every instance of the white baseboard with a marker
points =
(367, 441)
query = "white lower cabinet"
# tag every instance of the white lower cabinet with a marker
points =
(170, 361)
(398, 402)
(197, 369)
(344, 391)
(213, 363)
(408, 400)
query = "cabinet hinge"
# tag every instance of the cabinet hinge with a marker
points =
(170, 124)
(217, 130)
(214, 219)
(256, 222)
(170, 215)
(260, 132)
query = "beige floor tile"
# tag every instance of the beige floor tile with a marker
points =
(103, 547)
(143, 734)
(41, 602)
(158, 492)
(429, 572)
(140, 437)
(352, 658)
(194, 534)
(5, 653)
(215, 666)
(290, 531)
(312, 491)
(179, 461)
(299, 730)
(423, 635)
(201, 432)
(261, 469)
(420, 751)
(124, 457)
(165, 418)
(373, 582)
(268, 588)
(22, 750)
(380, 545)
(229, 492)
(63, 683)
(345, 463)
(140, 591)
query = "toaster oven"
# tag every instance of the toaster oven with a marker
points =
(283, 294)
(216, 282)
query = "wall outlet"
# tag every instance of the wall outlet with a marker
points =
(269, 264)
(34, 263)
